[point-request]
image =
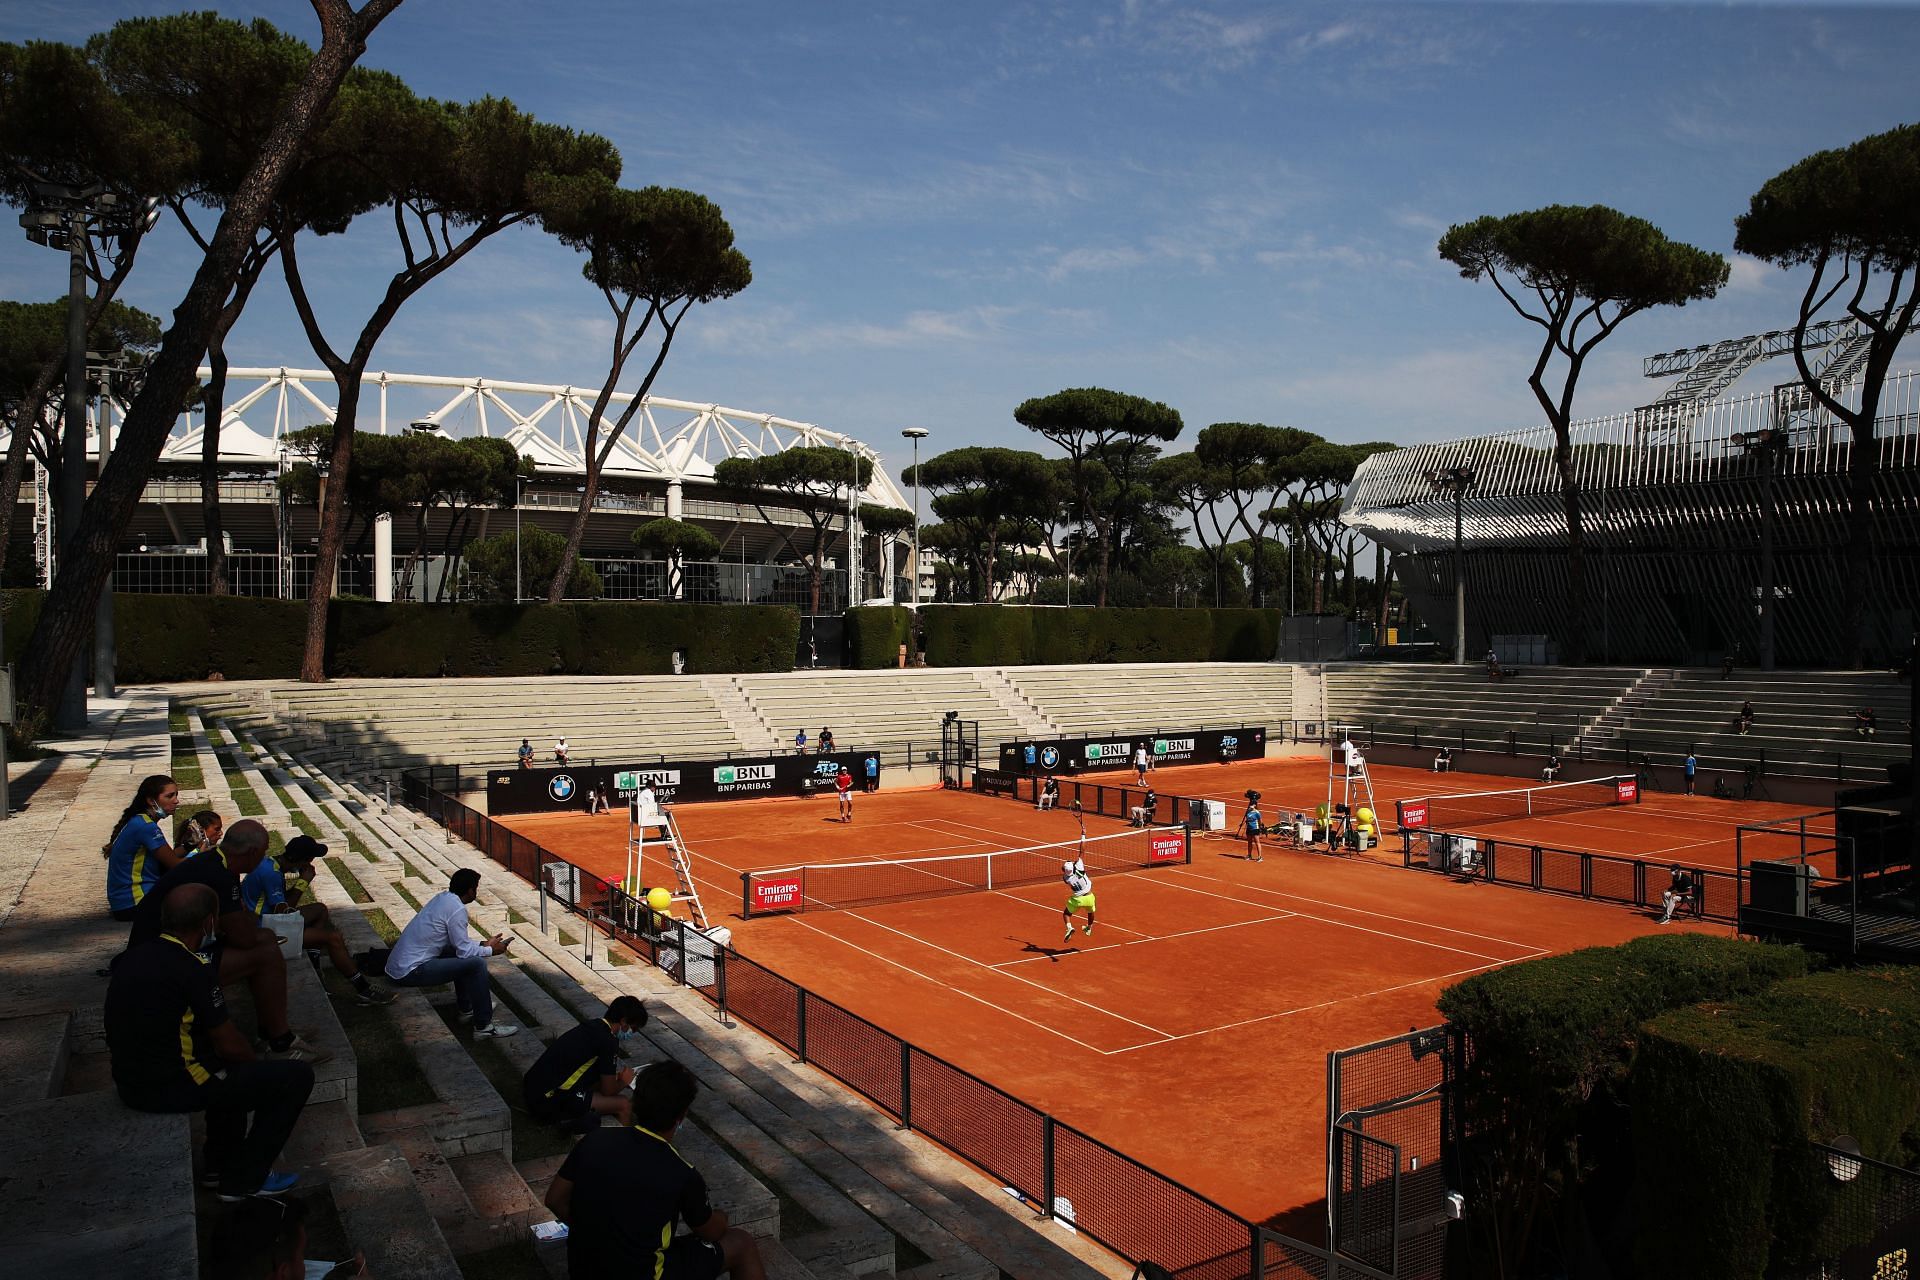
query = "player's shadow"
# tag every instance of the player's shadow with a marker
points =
(1040, 949)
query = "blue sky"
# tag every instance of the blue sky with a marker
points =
(1229, 207)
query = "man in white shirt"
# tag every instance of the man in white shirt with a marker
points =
(560, 753)
(436, 948)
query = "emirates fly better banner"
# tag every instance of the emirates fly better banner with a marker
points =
(1184, 746)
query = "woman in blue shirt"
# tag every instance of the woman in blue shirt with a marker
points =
(137, 852)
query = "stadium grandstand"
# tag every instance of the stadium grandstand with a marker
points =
(1681, 499)
(663, 466)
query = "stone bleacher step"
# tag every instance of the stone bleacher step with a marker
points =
(384, 1213)
(33, 1056)
(64, 1215)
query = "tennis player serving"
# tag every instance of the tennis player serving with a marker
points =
(1079, 895)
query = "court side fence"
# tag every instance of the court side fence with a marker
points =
(1601, 877)
(1056, 1170)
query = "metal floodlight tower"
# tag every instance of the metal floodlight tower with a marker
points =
(1455, 481)
(916, 434)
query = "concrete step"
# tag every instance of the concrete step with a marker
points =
(33, 1056)
(386, 1216)
(91, 1183)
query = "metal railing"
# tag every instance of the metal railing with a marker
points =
(1600, 877)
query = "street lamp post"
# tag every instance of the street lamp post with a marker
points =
(916, 434)
(518, 480)
(1456, 480)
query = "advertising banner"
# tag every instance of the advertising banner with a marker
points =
(1413, 815)
(1186, 746)
(555, 790)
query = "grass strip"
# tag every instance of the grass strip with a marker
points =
(244, 798)
(186, 771)
(177, 720)
(383, 925)
(412, 870)
(390, 1076)
(400, 887)
(348, 881)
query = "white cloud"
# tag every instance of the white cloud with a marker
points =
(1750, 275)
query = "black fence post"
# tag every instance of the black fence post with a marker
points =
(720, 983)
(906, 1085)
(1046, 1167)
(800, 1021)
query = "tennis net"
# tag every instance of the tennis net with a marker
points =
(1456, 812)
(828, 886)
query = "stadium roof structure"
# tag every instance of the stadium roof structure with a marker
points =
(1675, 510)
(672, 441)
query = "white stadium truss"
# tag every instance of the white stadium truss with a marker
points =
(668, 440)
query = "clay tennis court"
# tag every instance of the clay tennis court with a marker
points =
(1663, 828)
(1191, 1029)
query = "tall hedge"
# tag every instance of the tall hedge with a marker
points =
(1018, 635)
(164, 638)
(875, 634)
(1542, 1095)
(1726, 1097)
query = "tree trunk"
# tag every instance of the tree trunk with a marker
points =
(1380, 582)
(577, 530)
(817, 567)
(218, 579)
(1575, 653)
(1860, 477)
(66, 616)
(333, 526)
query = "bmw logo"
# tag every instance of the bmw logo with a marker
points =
(1050, 756)
(561, 787)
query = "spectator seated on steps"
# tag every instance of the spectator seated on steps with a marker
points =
(579, 1078)
(174, 1049)
(436, 948)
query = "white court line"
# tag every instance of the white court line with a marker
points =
(1308, 1008)
(968, 995)
(1159, 937)
(981, 964)
(1383, 915)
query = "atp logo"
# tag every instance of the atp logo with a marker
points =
(561, 787)
(1891, 1266)
(1050, 757)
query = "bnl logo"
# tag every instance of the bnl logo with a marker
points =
(743, 773)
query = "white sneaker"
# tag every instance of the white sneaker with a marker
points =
(499, 1030)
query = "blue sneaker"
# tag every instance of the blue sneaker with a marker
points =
(277, 1184)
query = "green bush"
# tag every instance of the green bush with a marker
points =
(1245, 635)
(160, 638)
(165, 638)
(875, 634)
(1730, 1094)
(977, 635)
(1541, 1096)
(985, 635)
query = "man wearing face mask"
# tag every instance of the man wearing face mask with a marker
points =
(579, 1079)
(174, 1049)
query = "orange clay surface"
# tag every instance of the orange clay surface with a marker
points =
(1191, 1029)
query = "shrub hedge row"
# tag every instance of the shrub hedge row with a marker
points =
(875, 634)
(1726, 1097)
(1542, 1096)
(162, 638)
(990, 635)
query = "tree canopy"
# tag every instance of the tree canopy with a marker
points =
(814, 480)
(1852, 214)
(1578, 272)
